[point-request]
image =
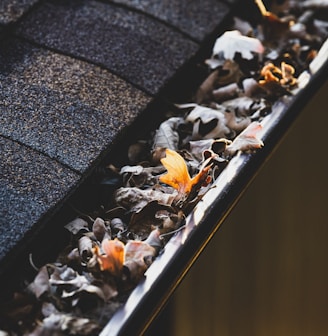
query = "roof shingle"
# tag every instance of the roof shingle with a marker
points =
(73, 75)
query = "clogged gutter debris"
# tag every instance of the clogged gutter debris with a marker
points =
(251, 68)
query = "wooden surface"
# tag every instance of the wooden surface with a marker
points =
(265, 271)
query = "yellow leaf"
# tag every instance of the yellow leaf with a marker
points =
(177, 175)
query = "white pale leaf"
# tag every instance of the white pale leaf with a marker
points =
(233, 41)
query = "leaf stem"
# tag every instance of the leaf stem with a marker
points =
(261, 7)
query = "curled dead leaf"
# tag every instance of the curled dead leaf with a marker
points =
(100, 229)
(85, 248)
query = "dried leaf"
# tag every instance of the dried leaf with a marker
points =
(246, 140)
(66, 276)
(232, 42)
(84, 288)
(138, 176)
(315, 4)
(40, 284)
(208, 123)
(113, 257)
(143, 221)
(85, 248)
(135, 199)
(237, 124)
(177, 175)
(276, 81)
(198, 147)
(225, 73)
(65, 324)
(138, 257)
(100, 230)
(226, 92)
(154, 239)
(77, 225)
(167, 135)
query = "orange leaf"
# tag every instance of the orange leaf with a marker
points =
(177, 175)
(113, 258)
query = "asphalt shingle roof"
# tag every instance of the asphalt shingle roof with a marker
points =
(73, 75)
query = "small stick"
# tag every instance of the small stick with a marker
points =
(261, 7)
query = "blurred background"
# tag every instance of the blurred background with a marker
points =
(265, 271)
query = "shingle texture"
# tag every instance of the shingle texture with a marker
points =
(30, 184)
(68, 109)
(193, 17)
(102, 33)
(12, 10)
(73, 75)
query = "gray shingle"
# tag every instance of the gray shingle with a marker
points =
(65, 108)
(145, 52)
(80, 80)
(30, 184)
(12, 10)
(187, 15)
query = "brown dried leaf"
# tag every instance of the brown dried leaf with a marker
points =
(208, 123)
(84, 288)
(246, 140)
(226, 92)
(66, 324)
(40, 284)
(314, 4)
(85, 248)
(138, 176)
(135, 199)
(225, 73)
(66, 276)
(138, 257)
(277, 81)
(100, 230)
(143, 221)
(77, 225)
(167, 135)
(154, 239)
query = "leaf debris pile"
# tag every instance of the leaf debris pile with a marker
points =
(250, 69)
